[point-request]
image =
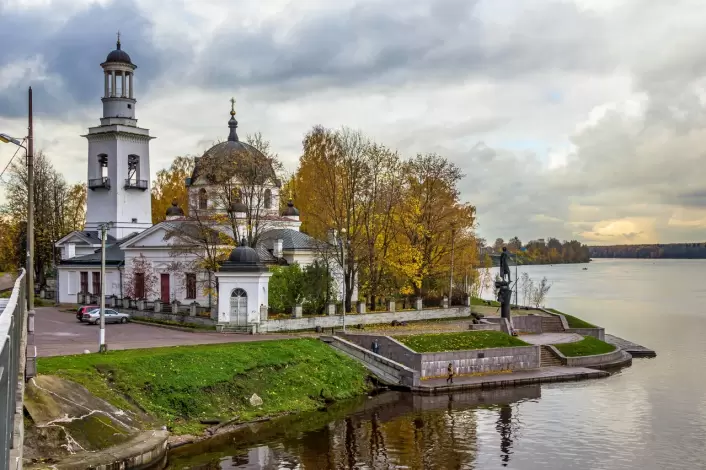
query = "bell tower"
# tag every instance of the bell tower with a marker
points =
(118, 155)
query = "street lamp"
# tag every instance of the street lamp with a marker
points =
(4, 138)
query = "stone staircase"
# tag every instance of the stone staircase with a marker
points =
(242, 329)
(548, 358)
(552, 324)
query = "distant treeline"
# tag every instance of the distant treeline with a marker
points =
(542, 251)
(671, 250)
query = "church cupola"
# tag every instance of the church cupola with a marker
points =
(118, 91)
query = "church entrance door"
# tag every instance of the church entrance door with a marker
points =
(239, 307)
(164, 281)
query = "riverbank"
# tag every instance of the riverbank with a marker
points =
(189, 388)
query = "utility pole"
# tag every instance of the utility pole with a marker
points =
(102, 347)
(30, 213)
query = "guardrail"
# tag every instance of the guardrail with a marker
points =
(13, 322)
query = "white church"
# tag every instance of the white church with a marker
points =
(161, 261)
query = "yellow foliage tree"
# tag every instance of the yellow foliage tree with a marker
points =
(170, 186)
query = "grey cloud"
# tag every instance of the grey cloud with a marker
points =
(72, 50)
(395, 43)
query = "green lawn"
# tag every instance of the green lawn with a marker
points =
(438, 342)
(181, 385)
(573, 321)
(477, 301)
(588, 346)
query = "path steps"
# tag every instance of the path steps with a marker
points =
(634, 349)
(548, 358)
(552, 325)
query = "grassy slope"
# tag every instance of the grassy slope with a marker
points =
(588, 346)
(180, 385)
(573, 321)
(459, 341)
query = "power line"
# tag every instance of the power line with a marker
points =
(8, 163)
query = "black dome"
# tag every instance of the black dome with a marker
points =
(174, 210)
(244, 255)
(291, 210)
(238, 207)
(118, 55)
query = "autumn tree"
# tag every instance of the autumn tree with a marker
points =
(59, 208)
(170, 186)
(431, 218)
(332, 174)
(498, 245)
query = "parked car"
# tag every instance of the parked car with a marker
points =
(111, 316)
(83, 310)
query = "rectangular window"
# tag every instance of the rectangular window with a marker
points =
(72, 282)
(139, 285)
(84, 282)
(190, 286)
(96, 283)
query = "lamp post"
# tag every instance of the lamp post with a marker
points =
(451, 280)
(343, 243)
(102, 346)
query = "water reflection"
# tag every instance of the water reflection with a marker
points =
(390, 431)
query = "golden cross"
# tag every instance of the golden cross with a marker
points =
(232, 106)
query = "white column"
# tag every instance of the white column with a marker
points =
(112, 74)
(105, 74)
(122, 83)
(130, 77)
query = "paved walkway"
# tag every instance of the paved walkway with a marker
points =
(525, 377)
(551, 338)
(633, 348)
(58, 333)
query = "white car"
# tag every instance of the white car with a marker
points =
(111, 316)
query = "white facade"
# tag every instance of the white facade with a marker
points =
(69, 282)
(232, 308)
(118, 159)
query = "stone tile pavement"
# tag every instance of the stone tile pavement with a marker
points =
(551, 338)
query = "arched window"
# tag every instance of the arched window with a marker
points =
(133, 169)
(239, 306)
(103, 165)
(203, 199)
(268, 199)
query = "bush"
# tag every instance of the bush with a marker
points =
(290, 285)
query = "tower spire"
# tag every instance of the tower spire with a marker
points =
(232, 123)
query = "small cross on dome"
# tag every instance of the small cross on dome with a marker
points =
(118, 39)
(232, 106)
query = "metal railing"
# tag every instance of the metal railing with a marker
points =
(136, 184)
(97, 183)
(13, 322)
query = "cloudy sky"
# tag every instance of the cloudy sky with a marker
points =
(576, 119)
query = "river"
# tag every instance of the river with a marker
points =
(648, 416)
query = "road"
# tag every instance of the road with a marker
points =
(58, 333)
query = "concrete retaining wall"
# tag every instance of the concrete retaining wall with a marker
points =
(483, 360)
(387, 370)
(389, 347)
(595, 332)
(598, 359)
(172, 317)
(336, 321)
(527, 323)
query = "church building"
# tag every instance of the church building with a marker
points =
(167, 261)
